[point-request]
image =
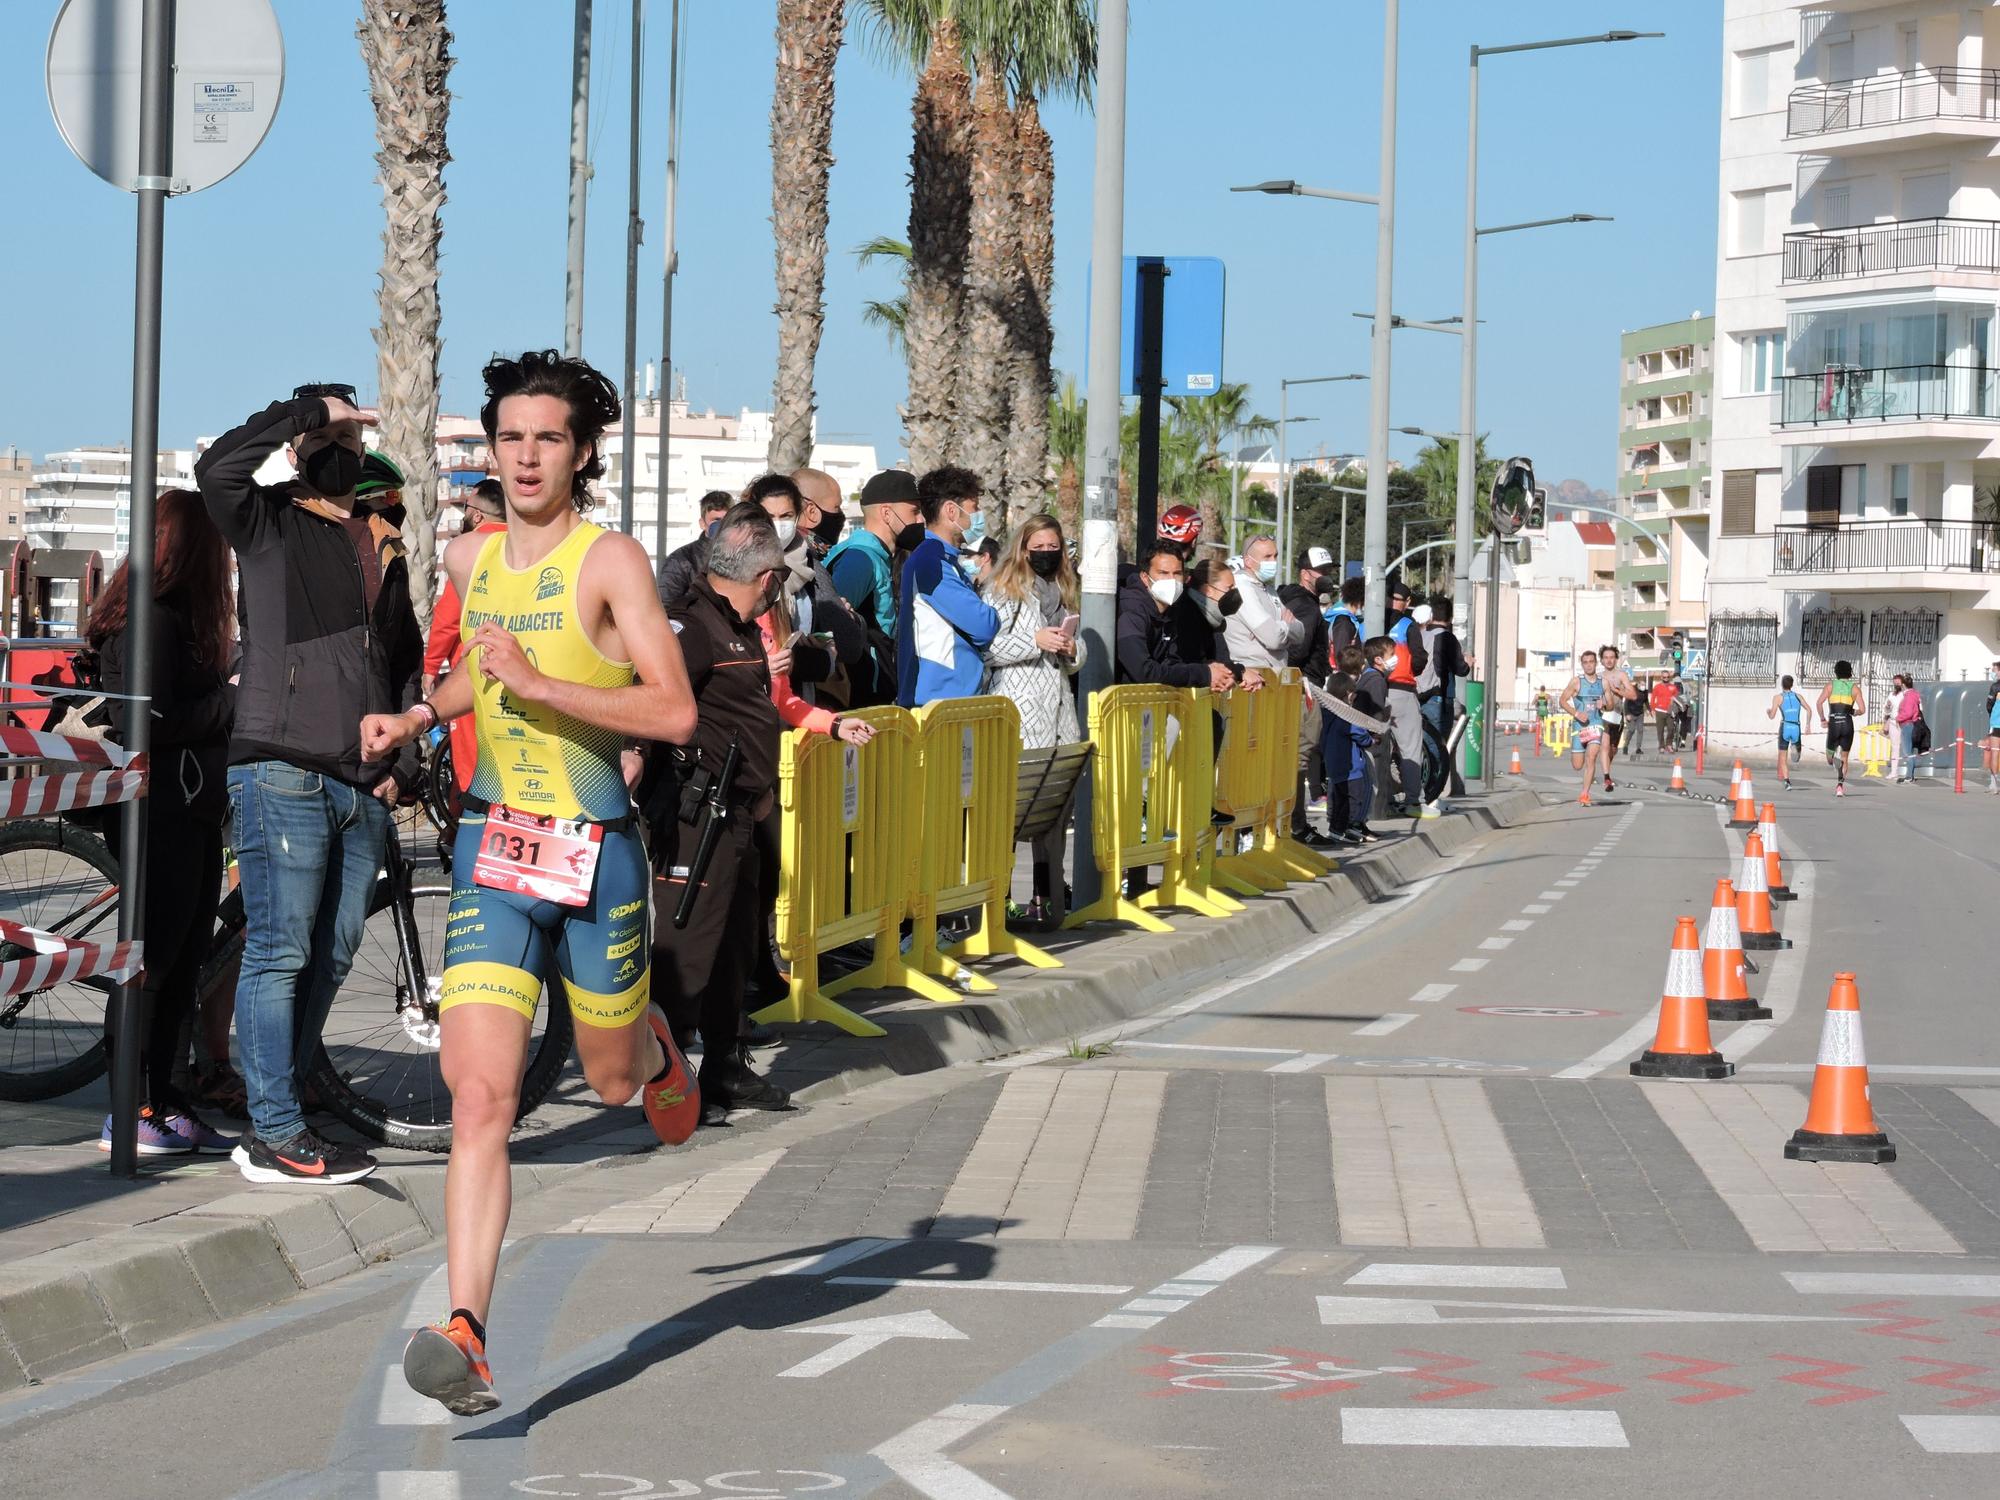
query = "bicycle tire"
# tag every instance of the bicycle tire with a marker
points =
(26, 1078)
(409, 1107)
(1437, 765)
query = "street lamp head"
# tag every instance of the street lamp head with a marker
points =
(1275, 185)
(1590, 219)
(1630, 36)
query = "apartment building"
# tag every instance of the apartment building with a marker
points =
(1856, 437)
(1666, 387)
(17, 472)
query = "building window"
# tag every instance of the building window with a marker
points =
(1743, 649)
(1899, 489)
(1760, 79)
(1763, 361)
(1739, 502)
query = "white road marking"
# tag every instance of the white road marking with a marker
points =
(1231, 1262)
(916, 1454)
(1385, 1312)
(1144, 1312)
(1525, 1278)
(1124, 1320)
(1383, 1025)
(1893, 1284)
(1955, 1434)
(1080, 1288)
(399, 1406)
(1473, 1427)
(1537, 909)
(1305, 1062)
(1496, 944)
(1430, 993)
(832, 1260)
(1213, 1047)
(1567, 885)
(1915, 1070)
(1551, 895)
(1156, 1304)
(1468, 966)
(1516, 925)
(419, 1484)
(863, 1334)
(428, 1296)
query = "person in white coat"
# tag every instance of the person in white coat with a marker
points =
(1262, 633)
(1032, 659)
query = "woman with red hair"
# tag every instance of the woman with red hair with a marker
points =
(187, 800)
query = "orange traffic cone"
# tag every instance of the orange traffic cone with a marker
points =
(1774, 867)
(1735, 778)
(1515, 768)
(1745, 815)
(1681, 1047)
(1753, 900)
(1679, 782)
(1722, 963)
(1840, 1125)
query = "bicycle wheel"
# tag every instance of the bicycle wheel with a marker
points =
(377, 1068)
(1437, 765)
(62, 880)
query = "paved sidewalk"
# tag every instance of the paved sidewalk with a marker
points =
(91, 1266)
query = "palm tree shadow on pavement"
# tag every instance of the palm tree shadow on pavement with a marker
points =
(761, 1303)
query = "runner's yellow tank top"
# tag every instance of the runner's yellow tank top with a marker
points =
(530, 756)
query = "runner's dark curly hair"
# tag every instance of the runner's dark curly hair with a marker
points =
(591, 397)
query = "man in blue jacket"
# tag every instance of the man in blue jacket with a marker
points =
(942, 625)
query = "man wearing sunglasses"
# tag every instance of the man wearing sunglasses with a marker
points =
(328, 638)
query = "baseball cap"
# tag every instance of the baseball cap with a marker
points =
(1316, 558)
(1400, 590)
(890, 487)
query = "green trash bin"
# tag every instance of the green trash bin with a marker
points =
(1475, 731)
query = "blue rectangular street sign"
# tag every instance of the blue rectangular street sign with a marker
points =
(1191, 326)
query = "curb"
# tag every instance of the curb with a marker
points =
(69, 1307)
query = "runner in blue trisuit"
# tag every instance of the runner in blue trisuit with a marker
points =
(1789, 709)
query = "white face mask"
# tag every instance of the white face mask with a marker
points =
(788, 528)
(1166, 590)
(1267, 570)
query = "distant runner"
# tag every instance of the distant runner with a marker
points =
(1583, 700)
(1617, 688)
(1789, 709)
(1839, 706)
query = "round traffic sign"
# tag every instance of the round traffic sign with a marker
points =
(1533, 1012)
(228, 69)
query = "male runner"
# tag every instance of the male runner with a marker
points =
(1583, 700)
(1839, 706)
(1617, 688)
(568, 659)
(1789, 709)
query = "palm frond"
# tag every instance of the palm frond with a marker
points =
(882, 247)
(899, 32)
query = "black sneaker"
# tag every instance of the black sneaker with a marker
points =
(740, 1088)
(303, 1158)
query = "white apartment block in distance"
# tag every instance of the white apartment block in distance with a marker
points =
(1856, 446)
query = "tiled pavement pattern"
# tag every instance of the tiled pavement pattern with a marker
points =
(1303, 1160)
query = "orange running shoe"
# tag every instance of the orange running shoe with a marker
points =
(672, 1103)
(447, 1362)
(1584, 800)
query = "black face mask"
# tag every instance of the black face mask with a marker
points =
(909, 536)
(332, 471)
(1230, 602)
(829, 528)
(1045, 564)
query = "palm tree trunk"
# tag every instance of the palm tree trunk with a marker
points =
(809, 33)
(985, 384)
(1033, 333)
(407, 50)
(940, 204)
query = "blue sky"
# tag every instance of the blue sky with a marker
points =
(271, 275)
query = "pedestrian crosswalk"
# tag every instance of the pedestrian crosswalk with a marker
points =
(1104, 1153)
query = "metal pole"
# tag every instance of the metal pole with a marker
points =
(156, 114)
(1375, 519)
(1468, 363)
(667, 280)
(1236, 506)
(1284, 466)
(1491, 650)
(1100, 458)
(634, 230)
(1151, 311)
(579, 181)
(1343, 538)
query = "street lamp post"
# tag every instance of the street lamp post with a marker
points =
(1469, 354)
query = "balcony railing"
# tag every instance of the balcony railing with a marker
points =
(1894, 99)
(1882, 249)
(1912, 546)
(1890, 393)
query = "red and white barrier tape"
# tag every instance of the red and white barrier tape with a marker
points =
(117, 961)
(37, 796)
(38, 745)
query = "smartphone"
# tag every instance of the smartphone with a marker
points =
(1069, 624)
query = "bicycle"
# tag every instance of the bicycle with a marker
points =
(376, 1069)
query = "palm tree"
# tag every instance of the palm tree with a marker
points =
(809, 35)
(1068, 428)
(1436, 469)
(1221, 418)
(892, 316)
(408, 54)
(985, 394)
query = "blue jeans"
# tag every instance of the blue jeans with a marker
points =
(1906, 736)
(308, 850)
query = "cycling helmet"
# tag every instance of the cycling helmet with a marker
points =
(1181, 523)
(379, 475)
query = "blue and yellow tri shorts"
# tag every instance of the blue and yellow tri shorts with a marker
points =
(498, 947)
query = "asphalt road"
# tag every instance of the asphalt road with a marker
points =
(1382, 1216)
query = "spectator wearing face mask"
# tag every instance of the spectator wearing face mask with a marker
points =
(829, 640)
(942, 625)
(1262, 632)
(863, 565)
(1149, 648)
(1199, 622)
(683, 564)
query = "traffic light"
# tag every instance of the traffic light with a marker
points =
(1513, 490)
(1538, 511)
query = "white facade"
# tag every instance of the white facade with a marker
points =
(1857, 403)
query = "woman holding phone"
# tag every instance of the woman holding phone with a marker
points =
(1034, 655)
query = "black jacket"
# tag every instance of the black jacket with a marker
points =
(1195, 640)
(316, 658)
(681, 568)
(731, 679)
(190, 718)
(1146, 647)
(1306, 607)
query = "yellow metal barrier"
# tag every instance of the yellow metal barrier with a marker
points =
(1154, 775)
(967, 752)
(1244, 792)
(1287, 702)
(849, 831)
(1874, 749)
(1556, 732)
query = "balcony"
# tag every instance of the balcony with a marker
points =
(1912, 546)
(1889, 393)
(1893, 109)
(1909, 245)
